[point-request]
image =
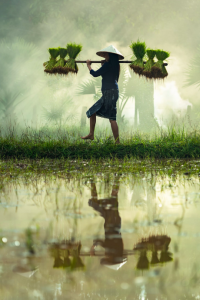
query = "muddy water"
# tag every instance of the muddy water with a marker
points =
(104, 237)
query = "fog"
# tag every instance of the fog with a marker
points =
(29, 27)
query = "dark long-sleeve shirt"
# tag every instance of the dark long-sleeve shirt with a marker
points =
(109, 77)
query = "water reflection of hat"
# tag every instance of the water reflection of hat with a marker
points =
(25, 271)
(114, 263)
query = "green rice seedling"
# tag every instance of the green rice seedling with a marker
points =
(54, 52)
(73, 51)
(59, 66)
(139, 50)
(149, 64)
(158, 70)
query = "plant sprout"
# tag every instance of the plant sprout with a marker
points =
(54, 52)
(73, 51)
(149, 64)
(159, 70)
(59, 66)
(139, 50)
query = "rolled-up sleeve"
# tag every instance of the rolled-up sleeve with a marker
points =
(100, 71)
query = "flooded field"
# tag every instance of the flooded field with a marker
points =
(105, 234)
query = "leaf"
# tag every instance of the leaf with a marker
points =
(86, 88)
(193, 71)
(59, 112)
(9, 100)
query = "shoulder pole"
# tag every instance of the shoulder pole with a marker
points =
(120, 61)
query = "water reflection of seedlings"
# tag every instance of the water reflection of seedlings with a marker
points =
(77, 263)
(165, 256)
(154, 258)
(154, 244)
(67, 260)
(29, 241)
(61, 252)
(143, 262)
(58, 261)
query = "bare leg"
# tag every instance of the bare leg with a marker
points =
(115, 131)
(90, 136)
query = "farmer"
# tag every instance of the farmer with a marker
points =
(105, 107)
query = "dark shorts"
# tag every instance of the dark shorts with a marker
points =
(105, 107)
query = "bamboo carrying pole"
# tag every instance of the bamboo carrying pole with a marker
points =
(100, 61)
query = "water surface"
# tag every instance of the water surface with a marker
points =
(105, 236)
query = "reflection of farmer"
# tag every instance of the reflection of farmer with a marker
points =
(105, 107)
(113, 244)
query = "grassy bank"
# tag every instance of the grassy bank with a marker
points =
(33, 169)
(172, 144)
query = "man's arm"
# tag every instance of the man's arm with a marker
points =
(100, 71)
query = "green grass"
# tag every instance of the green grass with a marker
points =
(171, 144)
(29, 171)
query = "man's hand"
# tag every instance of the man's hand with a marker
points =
(89, 64)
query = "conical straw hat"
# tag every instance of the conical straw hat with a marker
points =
(110, 49)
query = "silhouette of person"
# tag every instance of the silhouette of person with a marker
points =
(113, 243)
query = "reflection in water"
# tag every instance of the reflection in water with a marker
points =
(113, 243)
(130, 221)
(153, 250)
(61, 252)
(153, 244)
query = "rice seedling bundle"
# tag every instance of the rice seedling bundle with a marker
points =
(158, 70)
(139, 50)
(54, 52)
(59, 66)
(73, 51)
(150, 63)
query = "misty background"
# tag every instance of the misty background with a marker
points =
(30, 98)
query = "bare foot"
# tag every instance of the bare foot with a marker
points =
(88, 137)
